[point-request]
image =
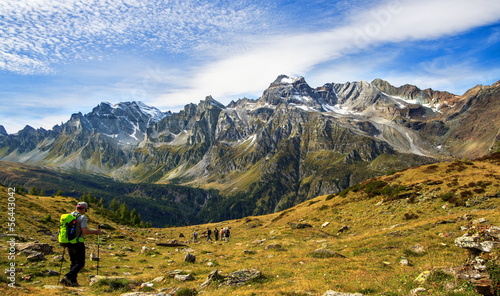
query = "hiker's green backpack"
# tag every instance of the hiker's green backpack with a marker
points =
(67, 230)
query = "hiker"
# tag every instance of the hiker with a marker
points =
(77, 251)
(226, 234)
(216, 234)
(221, 233)
(195, 237)
(209, 232)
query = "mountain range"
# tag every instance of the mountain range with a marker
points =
(293, 143)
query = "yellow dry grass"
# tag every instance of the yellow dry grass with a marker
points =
(379, 236)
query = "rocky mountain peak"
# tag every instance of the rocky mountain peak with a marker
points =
(210, 102)
(437, 100)
(284, 79)
(3, 132)
(293, 91)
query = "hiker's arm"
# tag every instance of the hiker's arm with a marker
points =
(85, 230)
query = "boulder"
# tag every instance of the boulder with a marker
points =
(418, 249)
(333, 293)
(258, 241)
(94, 257)
(36, 257)
(325, 224)
(213, 276)
(240, 277)
(494, 232)
(190, 258)
(53, 287)
(58, 258)
(172, 274)
(51, 272)
(172, 243)
(274, 246)
(343, 229)
(299, 225)
(96, 278)
(472, 242)
(46, 249)
(480, 242)
(144, 249)
(183, 277)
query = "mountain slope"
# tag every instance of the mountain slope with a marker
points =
(296, 250)
(467, 125)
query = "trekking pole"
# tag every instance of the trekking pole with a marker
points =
(98, 244)
(60, 268)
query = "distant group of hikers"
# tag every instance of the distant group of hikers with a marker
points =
(224, 234)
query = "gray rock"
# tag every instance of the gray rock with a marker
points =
(213, 276)
(333, 293)
(96, 278)
(470, 242)
(240, 277)
(184, 277)
(416, 291)
(299, 225)
(53, 287)
(51, 272)
(343, 229)
(190, 258)
(418, 248)
(36, 257)
(172, 274)
(94, 257)
(259, 241)
(494, 231)
(274, 246)
(58, 258)
(46, 249)
(145, 294)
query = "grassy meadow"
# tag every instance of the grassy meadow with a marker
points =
(414, 214)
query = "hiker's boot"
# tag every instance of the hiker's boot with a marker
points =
(75, 284)
(65, 281)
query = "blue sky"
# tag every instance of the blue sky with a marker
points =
(59, 57)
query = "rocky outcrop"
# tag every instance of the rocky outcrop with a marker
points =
(480, 239)
(237, 278)
(333, 293)
(45, 249)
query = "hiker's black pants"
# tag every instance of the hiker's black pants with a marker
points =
(77, 257)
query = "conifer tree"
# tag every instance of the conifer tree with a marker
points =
(20, 190)
(124, 213)
(33, 191)
(92, 199)
(114, 205)
(135, 219)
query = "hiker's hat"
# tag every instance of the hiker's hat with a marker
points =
(83, 205)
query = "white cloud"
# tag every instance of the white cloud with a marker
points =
(392, 22)
(36, 36)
